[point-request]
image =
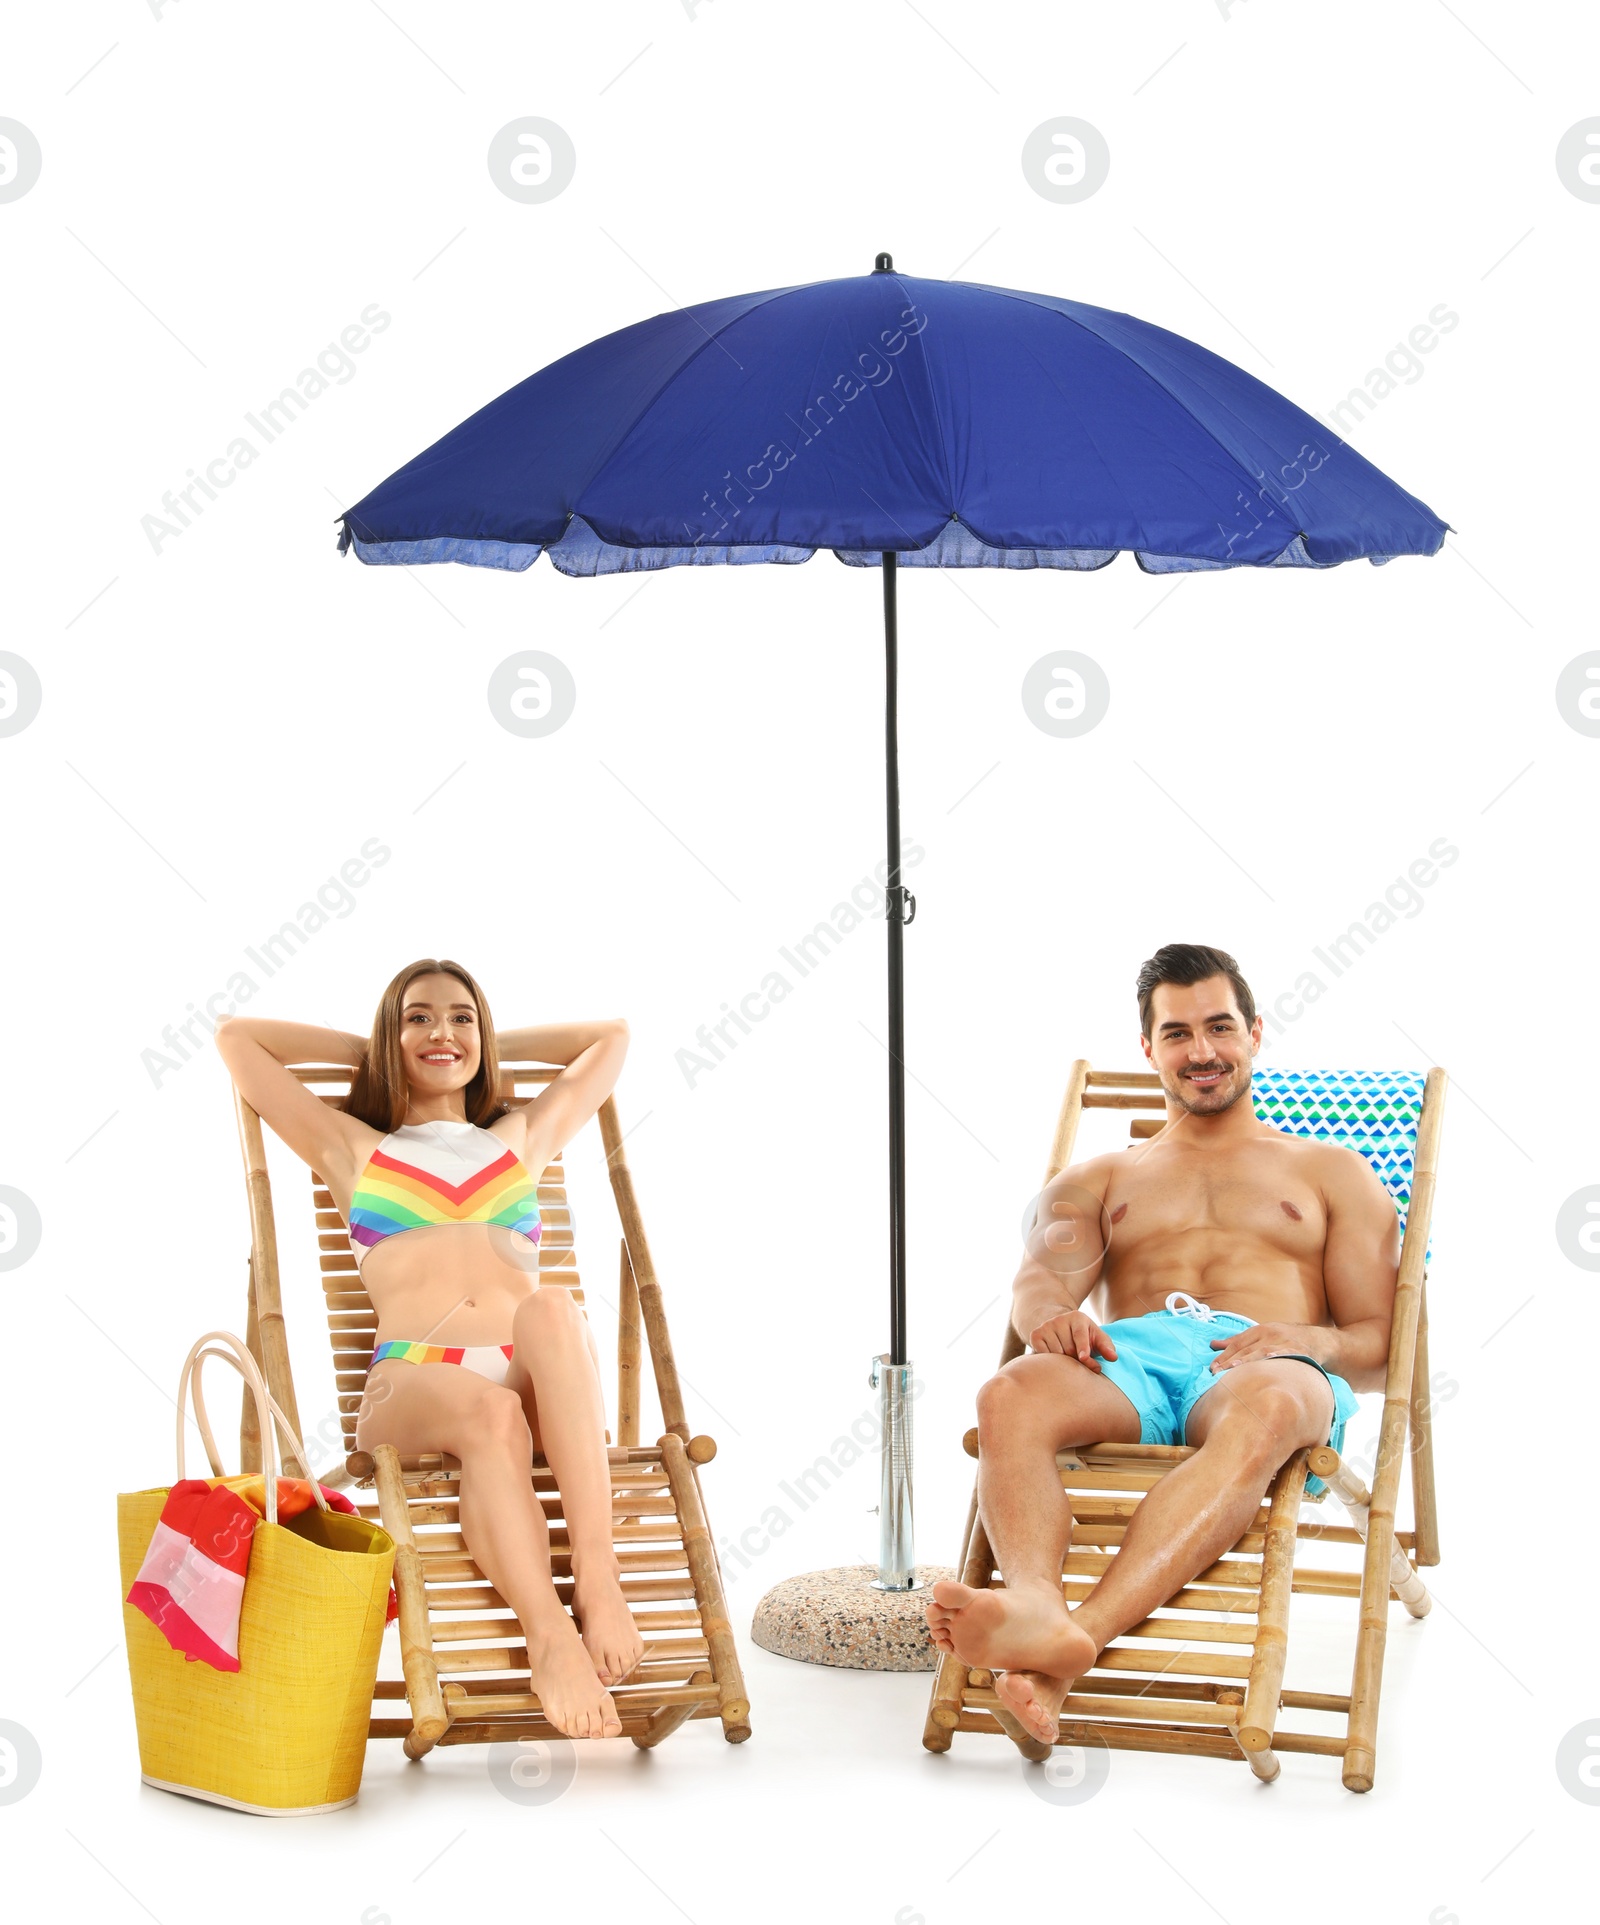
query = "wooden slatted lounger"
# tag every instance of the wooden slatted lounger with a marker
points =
(1205, 1675)
(464, 1675)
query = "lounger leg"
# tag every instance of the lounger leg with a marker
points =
(430, 1718)
(249, 1434)
(718, 1632)
(950, 1675)
(1378, 1569)
(1424, 1498)
(628, 1354)
(1378, 1578)
(1264, 1764)
(1357, 1500)
(668, 1718)
(944, 1705)
(1260, 1714)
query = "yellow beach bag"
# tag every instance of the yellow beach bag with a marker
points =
(286, 1733)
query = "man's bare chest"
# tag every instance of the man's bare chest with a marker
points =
(1260, 1198)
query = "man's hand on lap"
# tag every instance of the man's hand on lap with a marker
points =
(1073, 1333)
(1264, 1340)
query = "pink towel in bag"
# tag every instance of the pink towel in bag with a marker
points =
(191, 1583)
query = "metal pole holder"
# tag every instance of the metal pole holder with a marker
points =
(896, 1550)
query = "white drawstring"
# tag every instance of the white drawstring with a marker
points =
(1181, 1304)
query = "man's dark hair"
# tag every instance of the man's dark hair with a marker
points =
(1187, 963)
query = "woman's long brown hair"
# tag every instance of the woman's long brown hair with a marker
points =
(379, 1092)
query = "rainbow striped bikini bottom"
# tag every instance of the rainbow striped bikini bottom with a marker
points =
(491, 1360)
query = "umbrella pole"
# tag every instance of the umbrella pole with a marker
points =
(891, 1373)
(848, 1617)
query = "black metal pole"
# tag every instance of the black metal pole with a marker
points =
(900, 906)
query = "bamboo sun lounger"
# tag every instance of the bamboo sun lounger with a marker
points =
(1205, 1675)
(464, 1666)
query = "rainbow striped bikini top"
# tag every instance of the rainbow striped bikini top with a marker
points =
(427, 1173)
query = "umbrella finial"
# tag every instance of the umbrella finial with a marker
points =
(884, 264)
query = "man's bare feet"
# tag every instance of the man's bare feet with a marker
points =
(1034, 1699)
(609, 1632)
(570, 1695)
(1024, 1628)
(1025, 1635)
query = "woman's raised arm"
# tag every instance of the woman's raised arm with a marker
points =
(592, 1055)
(256, 1050)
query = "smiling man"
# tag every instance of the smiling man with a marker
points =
(1246, 1281)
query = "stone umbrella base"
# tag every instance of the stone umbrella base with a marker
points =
(836, 1617)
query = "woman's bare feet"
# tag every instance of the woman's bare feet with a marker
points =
(609, 1632)
(570, 1695)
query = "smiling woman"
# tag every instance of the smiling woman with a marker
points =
(438, 1181)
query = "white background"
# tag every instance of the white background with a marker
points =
(226, 721)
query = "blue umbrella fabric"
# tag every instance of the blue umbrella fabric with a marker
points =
(953, 424)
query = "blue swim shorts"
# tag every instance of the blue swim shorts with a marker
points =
(1163, 1367)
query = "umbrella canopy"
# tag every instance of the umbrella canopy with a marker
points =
(899, 422)
(957, 425)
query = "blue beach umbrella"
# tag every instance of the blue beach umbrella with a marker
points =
(898, 422)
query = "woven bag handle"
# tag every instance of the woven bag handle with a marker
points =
(223, 1344)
